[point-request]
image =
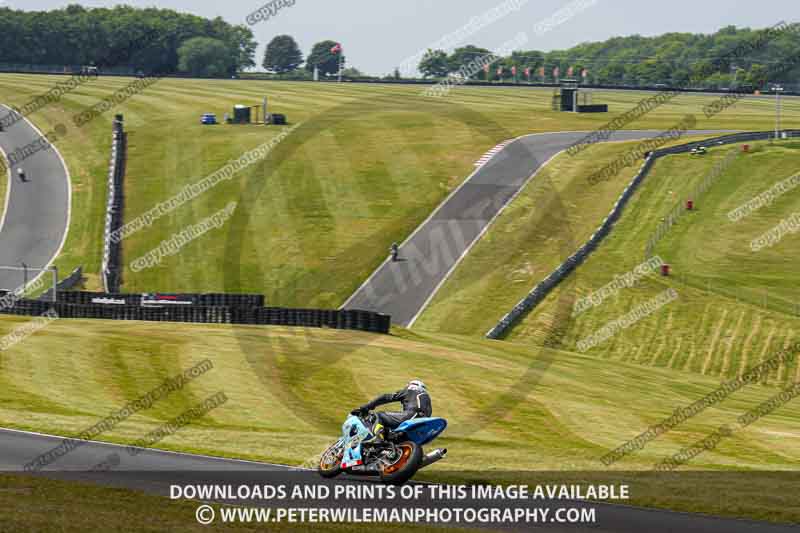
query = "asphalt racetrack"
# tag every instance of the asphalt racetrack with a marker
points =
(36, 217)
(403, 288)
(155, 472)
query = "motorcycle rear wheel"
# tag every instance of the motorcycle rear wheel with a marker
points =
(401, 468)
(330, 464)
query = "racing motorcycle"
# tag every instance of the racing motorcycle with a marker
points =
(395, 457)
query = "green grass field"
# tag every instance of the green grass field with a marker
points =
(559, 411)
(735, 307)
(280, 383)
(521, 247)
(368, 165)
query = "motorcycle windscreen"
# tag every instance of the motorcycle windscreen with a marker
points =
(423, 430)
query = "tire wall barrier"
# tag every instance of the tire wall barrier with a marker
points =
(204, 299)
(111, 269)
(274, 316)
(543, 288)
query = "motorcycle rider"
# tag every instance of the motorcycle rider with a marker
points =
(416, 404)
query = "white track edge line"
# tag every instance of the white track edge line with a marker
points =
(8, 190)
(502, 208)
(69, 203)
(154, 450)
(416, 230)
(479, 237)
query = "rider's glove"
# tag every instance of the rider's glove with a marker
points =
(360, 411)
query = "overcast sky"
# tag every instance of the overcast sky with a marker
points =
(379, 35)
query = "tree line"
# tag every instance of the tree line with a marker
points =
(167, 41)
(673, 59)
(148, 40)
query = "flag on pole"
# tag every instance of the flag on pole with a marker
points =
(337, 49)
(514, 70)
(570, 71)
(556, 72)
(585, 73)
(541, 72)
(499, 71)
(528, 73)
(486, 69)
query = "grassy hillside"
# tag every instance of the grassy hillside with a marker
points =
(735, 306)
(544, 225)
(511, 407)
(367, 166)
(508, 404)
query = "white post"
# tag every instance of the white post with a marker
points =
(778, 90)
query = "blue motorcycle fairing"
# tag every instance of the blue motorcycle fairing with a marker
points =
(354, 432)
(422, 430)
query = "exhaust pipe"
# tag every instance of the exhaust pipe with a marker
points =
(433, 456)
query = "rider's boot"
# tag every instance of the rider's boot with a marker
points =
(379, 431)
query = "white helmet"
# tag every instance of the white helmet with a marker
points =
(416, 384)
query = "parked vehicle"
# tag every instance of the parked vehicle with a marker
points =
(208, 118)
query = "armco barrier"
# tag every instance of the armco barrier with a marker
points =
(273, 316)
(111, 269)
(543, 288)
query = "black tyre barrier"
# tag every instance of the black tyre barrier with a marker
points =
(543, 288)
(201, 299)
(265, 316)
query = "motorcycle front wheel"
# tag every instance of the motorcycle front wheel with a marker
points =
(331, 461)
(403, 464)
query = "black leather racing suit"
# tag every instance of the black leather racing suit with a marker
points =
(416, 404)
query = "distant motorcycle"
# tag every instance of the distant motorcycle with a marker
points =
(395, 458)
